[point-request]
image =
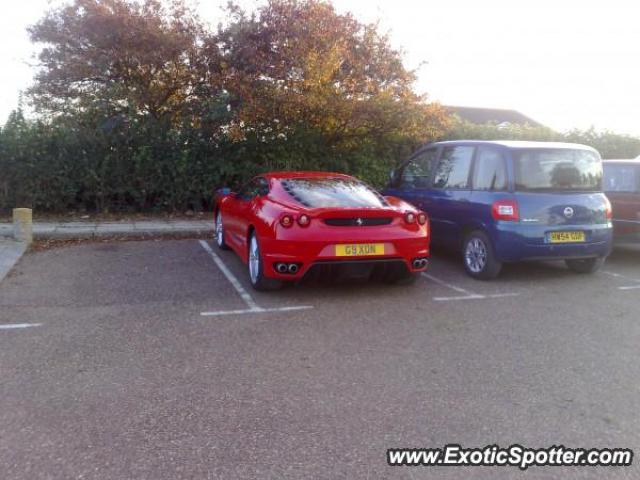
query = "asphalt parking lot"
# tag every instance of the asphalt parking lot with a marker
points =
(155, 360)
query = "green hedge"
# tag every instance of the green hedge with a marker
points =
(146, 166)
(122, 166)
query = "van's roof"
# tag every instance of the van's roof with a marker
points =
(519, 144)
(632, 161)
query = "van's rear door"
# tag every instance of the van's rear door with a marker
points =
(559, 186)
(555, 209)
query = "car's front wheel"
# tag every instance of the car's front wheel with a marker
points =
(256, 268)
(479, 258)
(585, 265)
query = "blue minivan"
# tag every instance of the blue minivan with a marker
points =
(508, 201)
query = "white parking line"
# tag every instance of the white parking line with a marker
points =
(468, 295)
(230, 276)
(475, 297)
(618, 275)
(255, 310)
(253, 307)
(624, 277)
(11, 326)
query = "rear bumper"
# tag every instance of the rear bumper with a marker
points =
(515, 242)
(309, 253)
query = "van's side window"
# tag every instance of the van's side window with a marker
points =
(453, 168)
(418, 171)
(490, 170)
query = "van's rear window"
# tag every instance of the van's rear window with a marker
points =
(322, 192)
(557, 170)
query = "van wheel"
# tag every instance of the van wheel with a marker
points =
(256, 272)
(585, 265)
(479, 258)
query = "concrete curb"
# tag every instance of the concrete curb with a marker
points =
(71, 230)
(10, 252)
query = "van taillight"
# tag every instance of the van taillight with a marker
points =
(607, 209)
(506, 210)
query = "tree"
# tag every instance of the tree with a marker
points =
(144, 107)
(298, 63)
(132, 58)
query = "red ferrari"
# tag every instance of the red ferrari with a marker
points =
(289, 224)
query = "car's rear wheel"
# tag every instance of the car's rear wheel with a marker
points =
(222, 245)
(256, 268)
(585, 265)
(479, 258)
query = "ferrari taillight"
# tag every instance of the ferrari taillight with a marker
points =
(286, 221)
(410, 217)
(304, 220)
(422, 218)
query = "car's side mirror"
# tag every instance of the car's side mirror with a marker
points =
(394, 177)
(221, 192)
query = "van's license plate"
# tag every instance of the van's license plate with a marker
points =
(566, 237)
(359, 249)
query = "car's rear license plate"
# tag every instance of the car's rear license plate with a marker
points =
(359, 249)
(567, 237)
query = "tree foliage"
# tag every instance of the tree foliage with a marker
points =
(130, 58)
(141, 106)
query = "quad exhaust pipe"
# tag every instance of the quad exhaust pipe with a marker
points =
(419, 263)
(290, 268)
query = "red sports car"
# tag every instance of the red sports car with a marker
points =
(286, 225)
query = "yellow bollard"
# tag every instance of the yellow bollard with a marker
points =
(23, 225)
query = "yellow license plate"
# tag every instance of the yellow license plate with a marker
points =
(359, 249)
(567, 237)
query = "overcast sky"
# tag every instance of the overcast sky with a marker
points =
(563, 63)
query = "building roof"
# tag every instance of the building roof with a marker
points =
(519, 144)
(622, 161)
(491, 115)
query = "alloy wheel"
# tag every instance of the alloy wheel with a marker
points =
(219, 230)
(475, 255)
(254, 259)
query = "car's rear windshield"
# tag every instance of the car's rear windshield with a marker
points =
(326, 192)
(560, 169)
